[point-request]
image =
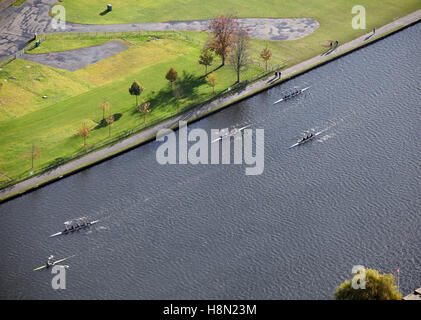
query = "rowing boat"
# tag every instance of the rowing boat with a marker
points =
(292, 95)
(231, 133)
(53, 264)
(74, 229)
(306, 140)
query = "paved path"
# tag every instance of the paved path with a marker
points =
(264, 28)
(5, 4)
(260, 85)
(76, 59)
(19, 24)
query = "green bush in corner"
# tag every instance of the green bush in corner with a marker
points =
(377, 287)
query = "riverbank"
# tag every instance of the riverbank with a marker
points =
(193, 115)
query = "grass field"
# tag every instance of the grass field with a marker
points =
(326, 11)
(53, 126)
(334, 16)
(75, 97)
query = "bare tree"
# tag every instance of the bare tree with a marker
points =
(240, 53)
(223, 29)
(33, 153)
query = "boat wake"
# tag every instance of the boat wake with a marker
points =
(325, 137)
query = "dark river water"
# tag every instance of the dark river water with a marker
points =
(350, 197)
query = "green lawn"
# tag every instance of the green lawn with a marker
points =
(128, 11)
(334, 15)
(53, 126)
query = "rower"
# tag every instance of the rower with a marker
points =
(49, 263)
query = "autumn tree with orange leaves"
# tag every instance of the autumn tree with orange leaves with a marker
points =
(110, 122)
(223, 29)
(144, 108)
(84, 132)
(105, 106)
(212, 80)
(171, 76)
(266, 55)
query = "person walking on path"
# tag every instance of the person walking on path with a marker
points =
(374, 31)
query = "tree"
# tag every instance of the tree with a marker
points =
(223, 29)
(144, 108)
(212, 80)
(171, 76)
(84, 132)
(105, 106)
(206, 59)
(240, 56)
(33, 153)
(136, 89)
(110, 122)
(377, 287)
(266, 55)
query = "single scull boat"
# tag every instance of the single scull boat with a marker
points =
(50, 264)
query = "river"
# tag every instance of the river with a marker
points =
(350, 197)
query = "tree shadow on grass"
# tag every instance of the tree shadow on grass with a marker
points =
(185, 88)
(216, 69)
(103, 122)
